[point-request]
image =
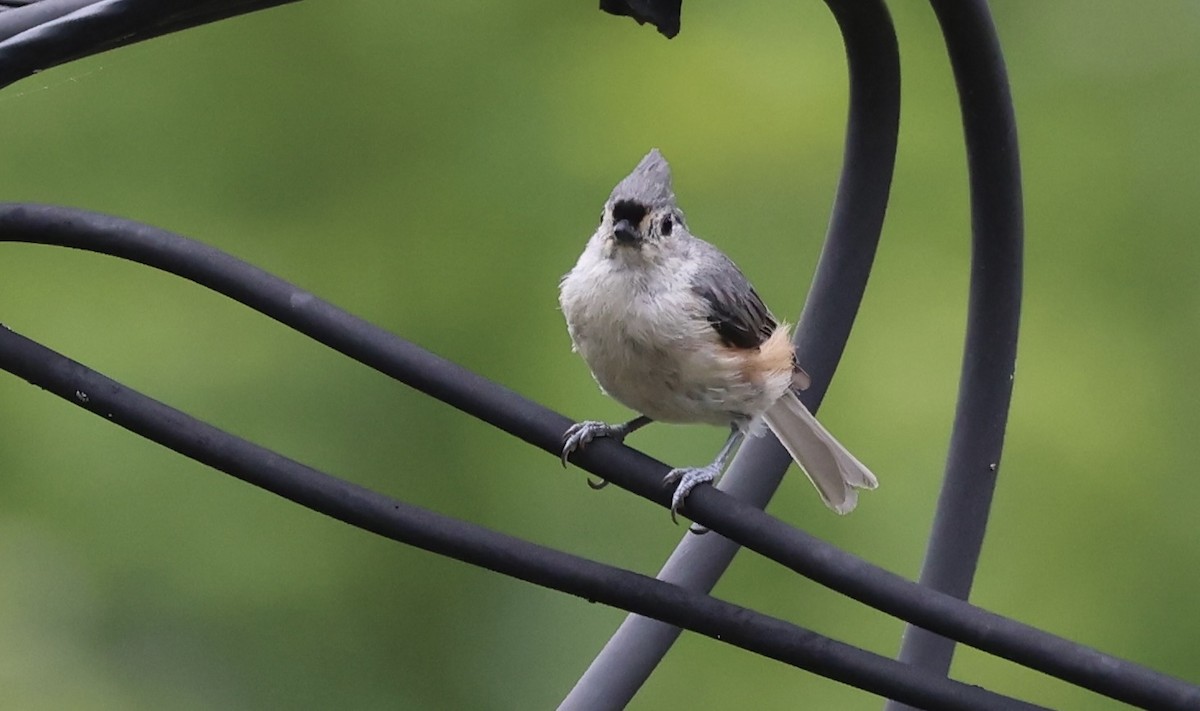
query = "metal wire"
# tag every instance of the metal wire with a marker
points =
(44, 34)
(993, 315)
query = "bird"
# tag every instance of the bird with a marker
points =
(671, 328)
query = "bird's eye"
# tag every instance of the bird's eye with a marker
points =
(667, 225)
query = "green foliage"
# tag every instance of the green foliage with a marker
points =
(435, 169)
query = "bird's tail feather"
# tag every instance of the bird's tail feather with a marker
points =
(831, 468)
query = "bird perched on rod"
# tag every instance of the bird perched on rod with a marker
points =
(671, 328)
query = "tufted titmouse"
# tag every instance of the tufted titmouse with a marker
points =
(672, 329)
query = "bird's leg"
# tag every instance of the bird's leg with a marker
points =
(579, 434)
(689, 478)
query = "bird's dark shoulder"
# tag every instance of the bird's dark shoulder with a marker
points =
(735, 310)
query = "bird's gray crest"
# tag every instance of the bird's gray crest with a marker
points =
(648, 184)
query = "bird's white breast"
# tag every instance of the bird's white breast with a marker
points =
(645, 335)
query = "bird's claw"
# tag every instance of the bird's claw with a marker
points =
(579, 434)
(685, 479)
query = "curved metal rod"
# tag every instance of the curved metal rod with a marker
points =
(627, 468)
(479, 546)
(635, 649)
(993, 316)
(48, 33)
(14, 21)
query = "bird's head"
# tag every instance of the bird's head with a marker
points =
(640, 214)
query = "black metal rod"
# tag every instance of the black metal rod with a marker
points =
(16, 21)
(872, 55)
(51, 32)
(612, 461)
(993, 316)
(479, 546)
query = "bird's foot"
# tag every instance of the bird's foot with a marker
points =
(579, 434)
(686, 479)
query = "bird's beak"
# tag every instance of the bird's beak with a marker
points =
(625, 232)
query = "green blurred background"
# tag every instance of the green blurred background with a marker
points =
(435, 169)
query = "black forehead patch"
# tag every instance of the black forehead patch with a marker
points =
(629, 210)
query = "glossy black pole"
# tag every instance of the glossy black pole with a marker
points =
(993, 315)
(50, 32)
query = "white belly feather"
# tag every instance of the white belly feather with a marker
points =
(653, 349)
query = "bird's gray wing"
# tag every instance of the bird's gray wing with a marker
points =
(735, 310)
